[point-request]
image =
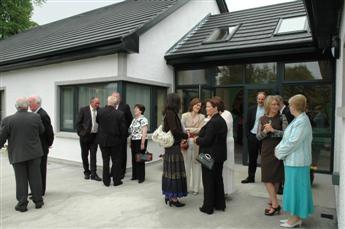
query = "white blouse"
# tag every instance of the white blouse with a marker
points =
(136, 127)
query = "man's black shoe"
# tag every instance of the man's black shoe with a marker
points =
(209, 212)
(39, 205)
(248, 180)
(21, 208)
(87, 176)
(118, 183)
(95, 177)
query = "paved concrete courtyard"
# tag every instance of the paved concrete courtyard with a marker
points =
(72, 202)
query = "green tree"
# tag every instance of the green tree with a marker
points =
(15, 16)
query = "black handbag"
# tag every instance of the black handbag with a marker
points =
(206, 160)
(139, 157)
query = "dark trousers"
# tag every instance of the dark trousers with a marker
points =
(115, 154)
(89, 144)
(138, 168)
(44, 161)
(28, 171)
(124, 157)
(254, 146)
(212, 181)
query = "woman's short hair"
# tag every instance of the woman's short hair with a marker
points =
(141, 107)
(173, 102)
(216, 102)
(192, 103)
(268, 101)
(221, 106)
(299, 102)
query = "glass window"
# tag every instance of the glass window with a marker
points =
(291, 25)
(191, 77)
(229, 75)
(77, 96)
(316, 70)
(161, 97)
(139, 94)
(261, 73)
(67, 108)
(187, 95)
(319, 98)
(221, 34)
(2, 105)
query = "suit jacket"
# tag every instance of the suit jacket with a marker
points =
(287, 113)
(127, 113)
(251, 116)
(22, 130)
(212, 138)
(111, 126)
(84, 122)
(47, 137)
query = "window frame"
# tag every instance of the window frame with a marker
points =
(306, 27)
(228, 37)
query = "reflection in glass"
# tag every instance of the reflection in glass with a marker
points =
(102, 91)
(319, 111)
(294, 24)
(186, 96)
(191, 77)
(308, 70)
(221, 34)
(261, 73)
(67, 108)
(161, 97)
(226, 75)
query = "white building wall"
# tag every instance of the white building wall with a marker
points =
(339, 144)
(149, 63)
(44, 81)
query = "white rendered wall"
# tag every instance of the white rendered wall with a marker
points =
(44, 81)
(149, 63)
(339, 144)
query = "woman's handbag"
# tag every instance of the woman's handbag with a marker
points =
(184, 144)
(206, 160)
(165, 139)
(139, 157)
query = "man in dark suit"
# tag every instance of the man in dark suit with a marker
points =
(87, 129)
(46, 138)
(111, 132)
(22, 130)
(254, 145)
(128, 117)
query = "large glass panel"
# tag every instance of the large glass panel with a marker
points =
(294, 24)
(319, 99)
(2, 105)
(139, 94)
(233, 99)
(191, 77)
(187, 95)
(232, 74)
(102, 91)
(261, 73)
(316, 70)
(67, 108)
(161, 97)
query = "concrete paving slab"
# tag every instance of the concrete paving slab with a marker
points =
(72, 202)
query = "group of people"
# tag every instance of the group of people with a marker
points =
(29, 135)
(109, 127)
(281, 133)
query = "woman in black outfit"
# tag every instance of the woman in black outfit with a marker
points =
(174, 182)
(212, 140)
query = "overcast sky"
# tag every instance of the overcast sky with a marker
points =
(53, 10)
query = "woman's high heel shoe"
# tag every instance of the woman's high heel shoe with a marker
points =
(295, 224)
(275, 210)
(176, 203)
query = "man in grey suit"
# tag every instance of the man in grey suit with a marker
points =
(22, 130)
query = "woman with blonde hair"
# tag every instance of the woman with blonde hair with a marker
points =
(295, 151)
(192, 121)
(270, 132)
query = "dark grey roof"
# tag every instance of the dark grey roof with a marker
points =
(109, 25)
(255, 32)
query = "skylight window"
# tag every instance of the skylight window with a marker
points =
(221, 34)
(292, 25)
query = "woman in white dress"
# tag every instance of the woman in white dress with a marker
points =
(192, 122)
(229, 164)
